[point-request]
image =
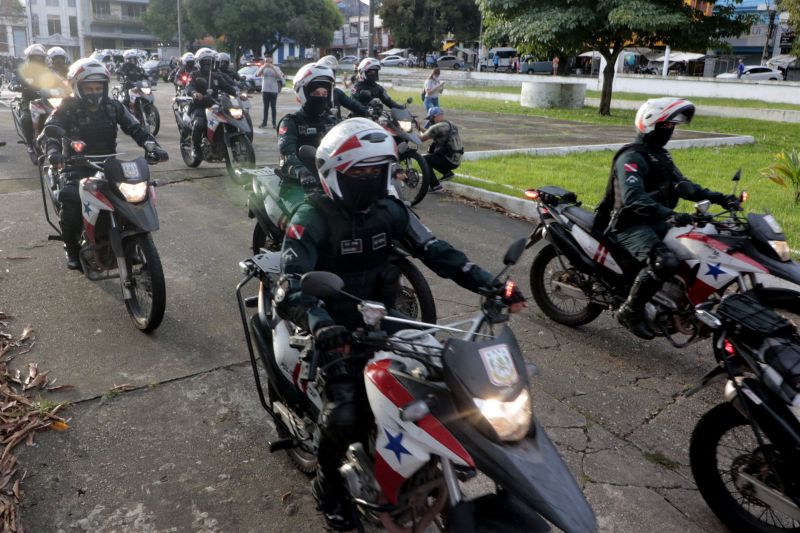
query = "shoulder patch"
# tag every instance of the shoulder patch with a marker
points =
(631, 167)
(295, 231)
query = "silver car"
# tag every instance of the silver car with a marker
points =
(754, 72)
(394, 61)
(248, 74)
(450, 62)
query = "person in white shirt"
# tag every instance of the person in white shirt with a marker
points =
(433, 88)
(272, 79)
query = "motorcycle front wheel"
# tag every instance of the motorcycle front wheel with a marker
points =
(723, 450)
(551, 277)
(414, 187)
(239, 154)
(152, 119)
(146, 276)
(186, 154)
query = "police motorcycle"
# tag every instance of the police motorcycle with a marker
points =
(40, 109)
(141, 104)
(119, 215)
(272, 203)
(442, 410)
(412, 183)
(580, 272)
(226, 139)
(745, 452)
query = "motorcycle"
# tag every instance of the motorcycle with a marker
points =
(404, 128)
(40, 109)
(119, 215)
(745, 452)
(272, 204)
(229, 143)
(441, 413)
(141, 103)
(580, 272)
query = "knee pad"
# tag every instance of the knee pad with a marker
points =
(662, 261)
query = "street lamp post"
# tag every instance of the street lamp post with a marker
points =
(371, 40)
(180, 35)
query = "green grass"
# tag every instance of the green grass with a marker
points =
(587, 173)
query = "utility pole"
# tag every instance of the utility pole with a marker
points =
(358, 43)
(180, 35)
(371, 39)
(770, 32)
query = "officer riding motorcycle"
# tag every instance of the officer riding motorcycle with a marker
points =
(347, 231)
(223, 68)
(58, 61)
(130, 72)
(367, 87)
(29, 79)
(92, 117)
(183, 71)
(340, 98)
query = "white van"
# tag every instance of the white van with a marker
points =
(504, 55)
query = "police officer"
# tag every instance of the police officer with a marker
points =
(30, 78)
(200, 82)
(641, 195)
(223, 68)
(130, 72)
(340, 99)
(313, 85)
(348, 231)
(367, 87)
(91, 116)
(58, 61)
(186, 67)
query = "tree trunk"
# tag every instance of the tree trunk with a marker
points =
(608, 81)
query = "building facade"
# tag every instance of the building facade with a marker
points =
(13, 30)
(56, 23)
(114, 24)
(353, 37)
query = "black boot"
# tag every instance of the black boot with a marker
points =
(631, 313)
(73, 256)
(333, 503)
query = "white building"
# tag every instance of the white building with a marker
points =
(56, 23)
(13, 33)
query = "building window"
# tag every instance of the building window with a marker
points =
(53, 25)
(133, 11)
(101, 8)
(70, 3)
(35, 25)
(52, 3)
(73, 26)
(365, 26)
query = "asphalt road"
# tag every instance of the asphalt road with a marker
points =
(185, 450)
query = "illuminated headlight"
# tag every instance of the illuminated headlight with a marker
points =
(146, 90)
(133, 192)
(510, 420)
(236, 112)
(781, 248)
(405, 125)
(54, 102)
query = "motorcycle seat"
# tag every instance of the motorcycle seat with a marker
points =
(583, 218)
(785, 358)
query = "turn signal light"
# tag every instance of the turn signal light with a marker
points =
(509, 288)
(532, 194)
(78, 146)
(743, 197)
(729, 349)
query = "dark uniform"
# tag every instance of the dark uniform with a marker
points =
(356, 246)
(295, 130)
(130, 74)
(340, 100)
(176, 75)
(98, 129)
(29, 80)
(375, 90)
(232, 77)
(198, 83)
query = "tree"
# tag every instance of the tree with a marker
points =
(607, 26)
(422, 24)
(161, 18)
(252, 23)
(793, 8)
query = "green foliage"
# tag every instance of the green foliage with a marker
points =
(161, 18)
(403, 18)
(793, 8)
(785, 171)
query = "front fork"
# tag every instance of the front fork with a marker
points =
(115, 238)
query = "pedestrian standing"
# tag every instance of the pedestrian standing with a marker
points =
(740, 69)
(555, 66)
(271, 80)
(496, 61)
(433, 88)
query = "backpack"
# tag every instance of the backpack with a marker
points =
(612, 199)
(452, 145)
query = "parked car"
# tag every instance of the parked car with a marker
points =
(157, 69)
(449, 62)
(393, 61)
(754, 72)
(504, 55)
(529, 65)
(348, 59)
(249, 74)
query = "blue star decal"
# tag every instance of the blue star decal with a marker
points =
(87, 208)
(396, 445)
(714, 270)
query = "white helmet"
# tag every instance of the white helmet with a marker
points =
(663, 110)
(329, 61)
(188, 56)
(35, 50)
(222, 57)
(55, 52)
(354, 160)
(311, 76)
(368, 63)
(87, 69)
(130, 54)
(204, 53)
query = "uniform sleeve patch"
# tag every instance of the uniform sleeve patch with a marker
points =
(283, 129)
(631, 167)
(295, 231)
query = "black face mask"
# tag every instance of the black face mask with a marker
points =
(205, 67)
(372, 75)
(317, 105)
(93, 99)
(358, 194)
(659, 137)
(189, 65)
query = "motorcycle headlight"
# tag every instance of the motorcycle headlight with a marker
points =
(781, 248)
(405, 125)
(510, 420)
(54, 102)
(236, 112)
(146, 90)
(133, 192)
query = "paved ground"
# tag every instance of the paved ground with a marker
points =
(185, 451)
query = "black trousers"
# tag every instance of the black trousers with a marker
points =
(439, 163)
(198, 127)
(270, 102)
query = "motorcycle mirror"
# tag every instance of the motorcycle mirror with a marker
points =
(52, 130)
(738, 175)
(307, 152)
(321, 284)
(515, 251)
(702, 206)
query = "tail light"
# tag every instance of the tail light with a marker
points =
(78, 146)
(728, 347)
(532, 194)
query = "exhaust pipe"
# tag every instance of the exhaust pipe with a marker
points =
(565, 244)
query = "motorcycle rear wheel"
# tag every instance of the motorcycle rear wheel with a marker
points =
(152, 118)
(418, 178)
(148, 290)
(545, 270)
(261, 240)
(717, 482)
(239, 154)
(414, 296)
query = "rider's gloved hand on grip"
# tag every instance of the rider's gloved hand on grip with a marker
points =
(157, 155)
(309, 182)
(511, 296)
(731, 201)
(680, 219)
(56, 159)
(331, 337)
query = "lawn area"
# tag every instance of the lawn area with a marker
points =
(586, 174)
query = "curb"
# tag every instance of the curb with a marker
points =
(510, 204)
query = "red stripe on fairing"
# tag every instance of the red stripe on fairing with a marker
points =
(604, 256)
(722, 247)
(102, 197)
(89, 231)
(378, 373)
(700, 291)
(389, 480)
(597, 252)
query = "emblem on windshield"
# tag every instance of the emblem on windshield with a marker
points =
(499, 365)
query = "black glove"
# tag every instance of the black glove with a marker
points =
(330, 337)
(511, 295)
(731, 202)
(56, 159)
(680, 219)
(309, 182)
(157, 155)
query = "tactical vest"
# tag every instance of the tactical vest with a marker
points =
(357, 249)
(97, 129)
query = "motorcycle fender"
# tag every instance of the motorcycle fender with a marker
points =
(141, 217)
(771, 414)
(531, 470)
(564, 243)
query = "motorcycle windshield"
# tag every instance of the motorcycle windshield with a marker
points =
(401, 113)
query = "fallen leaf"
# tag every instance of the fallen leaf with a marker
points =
(61, 388)
(286, 496)
(27, 333)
